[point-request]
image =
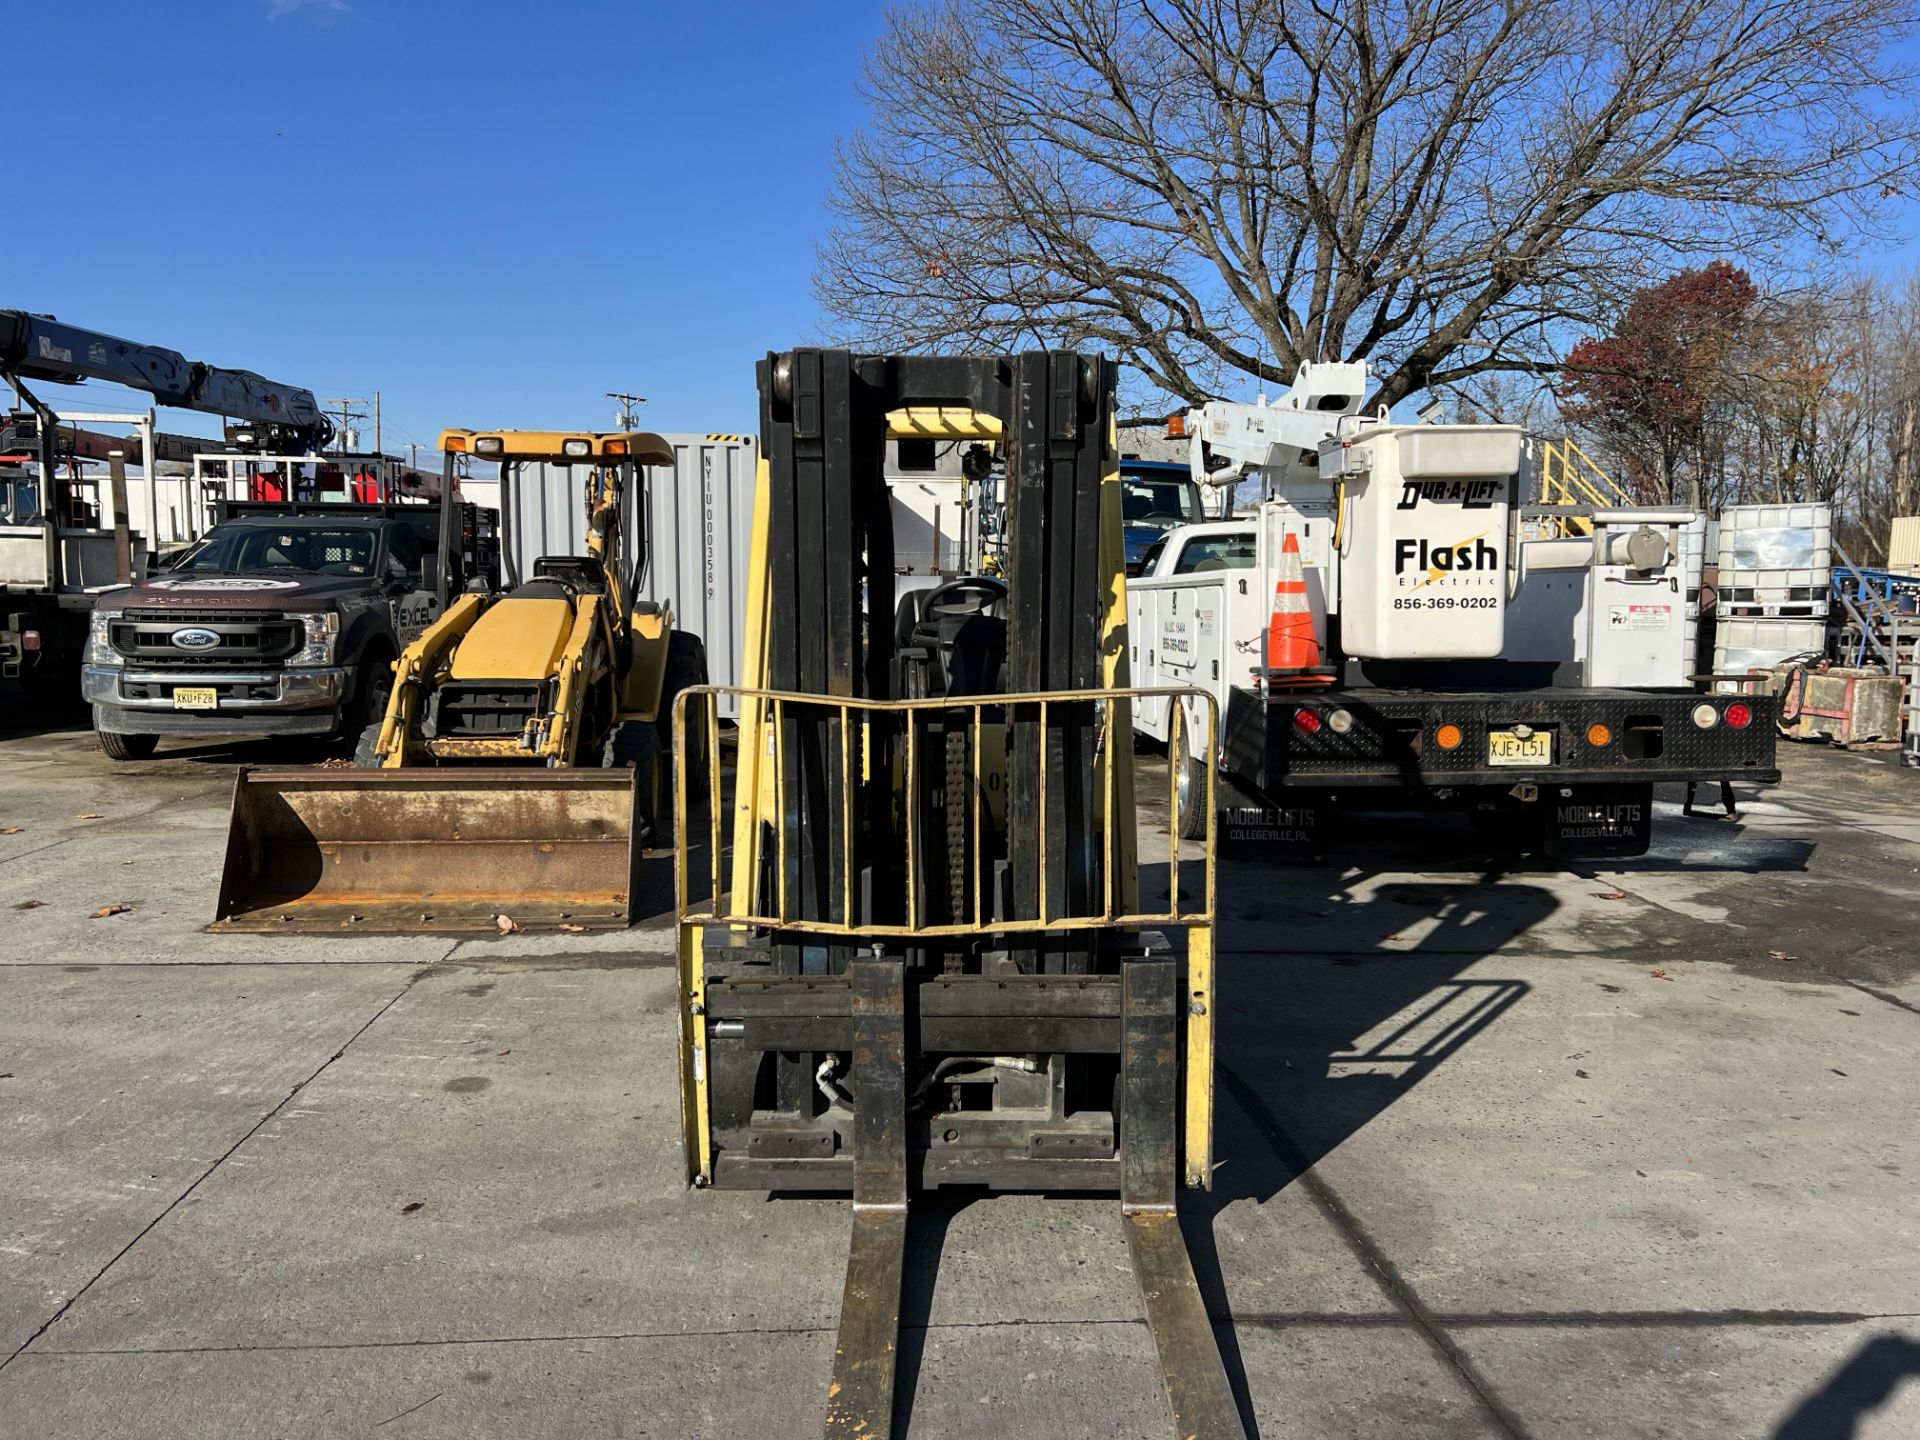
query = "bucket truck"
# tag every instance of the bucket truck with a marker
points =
(1539, 684)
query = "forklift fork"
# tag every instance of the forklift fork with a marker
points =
(860, 1396)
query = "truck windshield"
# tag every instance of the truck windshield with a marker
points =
(1164, 503)
(247, 548)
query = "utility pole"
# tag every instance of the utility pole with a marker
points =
(629, 415)
(344, 404)
(376, 424)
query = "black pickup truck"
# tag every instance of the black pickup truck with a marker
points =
(281, 620)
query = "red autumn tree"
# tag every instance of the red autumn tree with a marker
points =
(1651, 386)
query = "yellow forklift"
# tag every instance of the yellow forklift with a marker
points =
(512, 773)
(926, 952)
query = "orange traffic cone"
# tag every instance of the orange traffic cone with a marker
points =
(1292, 649)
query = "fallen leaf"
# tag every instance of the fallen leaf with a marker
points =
(29, 904)
(1609, 894)
(506, 925)
(106, 910)
(1582, 1074)
(10, 830)
(574, 929)
(411, 1206)
(91, 815)
(1660, 975)
(506, 1052)
(1782, 955)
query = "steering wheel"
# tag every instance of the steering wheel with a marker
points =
(969, 595)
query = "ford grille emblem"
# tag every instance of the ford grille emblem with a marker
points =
(195, 638)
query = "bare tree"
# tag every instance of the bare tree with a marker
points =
(1215, 188)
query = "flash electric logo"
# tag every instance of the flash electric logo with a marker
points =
(1470, 557)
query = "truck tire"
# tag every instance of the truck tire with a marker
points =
(116, 746)
(1190, 794)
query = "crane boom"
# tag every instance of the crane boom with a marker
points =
(39, 347)
(1231, 438)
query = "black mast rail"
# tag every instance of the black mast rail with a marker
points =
(941, 973)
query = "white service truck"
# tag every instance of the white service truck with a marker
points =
(1539, 683)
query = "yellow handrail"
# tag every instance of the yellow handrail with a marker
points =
(1569, 476)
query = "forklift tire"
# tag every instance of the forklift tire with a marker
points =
(1191, 794)
(116, 746)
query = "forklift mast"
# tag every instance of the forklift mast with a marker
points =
(933, 964)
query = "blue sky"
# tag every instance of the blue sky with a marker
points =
(491, 211)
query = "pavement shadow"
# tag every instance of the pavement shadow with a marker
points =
(1862, 1384)
(1702, 844)
(932, 1215)
(1338, 991)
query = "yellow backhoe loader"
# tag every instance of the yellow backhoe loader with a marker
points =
(512, 770)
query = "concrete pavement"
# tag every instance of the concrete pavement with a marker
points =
(1484, 1172)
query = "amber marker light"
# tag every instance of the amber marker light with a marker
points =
(1447, 737)
(1598, 735)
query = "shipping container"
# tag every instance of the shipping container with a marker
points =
(699, 527)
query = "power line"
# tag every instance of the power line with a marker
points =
(344, 406)
(629, 415)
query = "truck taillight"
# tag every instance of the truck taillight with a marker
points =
(1739, 715)
(29, 639)
(1306, 721)
(1705, 716)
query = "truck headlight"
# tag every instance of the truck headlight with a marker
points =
(322, 631)
(100, 649)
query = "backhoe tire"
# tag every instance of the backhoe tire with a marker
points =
(686, 666)
(366, 714)
(116, 746)
(1191, 797)
(635, 744)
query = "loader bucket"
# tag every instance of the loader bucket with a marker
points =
(428, 851)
